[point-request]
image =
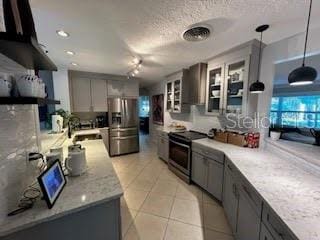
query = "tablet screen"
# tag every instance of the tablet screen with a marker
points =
(52, 182)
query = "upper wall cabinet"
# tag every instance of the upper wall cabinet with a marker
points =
(88, 95)
(128, 88)
(177, 92)
(229, 76)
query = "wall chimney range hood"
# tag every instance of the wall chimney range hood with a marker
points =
(19, 40)
(197, 83)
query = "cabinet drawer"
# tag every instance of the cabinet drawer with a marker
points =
(208, 152)
(275, 225)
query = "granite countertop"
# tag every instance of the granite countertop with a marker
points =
(99, 184)
(292, 191)
(49, 139)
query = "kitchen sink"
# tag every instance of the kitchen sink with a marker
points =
(87, 137)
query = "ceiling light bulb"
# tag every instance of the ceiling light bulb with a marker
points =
(136, 60)
(139, 65)
(74, 64)
(136, 71)
(132, 74)
(62, 33)
(70, 53)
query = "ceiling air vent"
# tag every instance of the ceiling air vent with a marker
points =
(196, 34)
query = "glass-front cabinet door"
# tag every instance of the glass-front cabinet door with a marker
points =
(169, 102)
(177, 96)
(214, 89)
(235, 87)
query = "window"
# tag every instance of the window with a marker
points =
(297, 111)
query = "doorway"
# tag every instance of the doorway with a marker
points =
(144, 113)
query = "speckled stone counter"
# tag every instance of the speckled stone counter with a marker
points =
(292, 191)
(98, 185)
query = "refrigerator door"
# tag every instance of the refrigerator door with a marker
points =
(124, 145)
(115, 106)
(130, 112)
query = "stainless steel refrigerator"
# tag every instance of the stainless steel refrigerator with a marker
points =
(123, 123)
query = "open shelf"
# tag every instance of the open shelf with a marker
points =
(27, 100)
(26, 51)
(235, 96)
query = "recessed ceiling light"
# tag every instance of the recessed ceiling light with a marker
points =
(62, 33)
(74, 64)
(136, 60)
(69, 52)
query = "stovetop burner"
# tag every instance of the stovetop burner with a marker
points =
(188, 135)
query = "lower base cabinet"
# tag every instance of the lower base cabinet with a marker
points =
(248, 223)
(208, 174)
(163, 148)
(265, 234)
(230, 197)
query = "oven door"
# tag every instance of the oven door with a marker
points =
(179, 156)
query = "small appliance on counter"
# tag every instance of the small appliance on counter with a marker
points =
(86, 124)
(76, 162)
(57, 123)
(101, 121)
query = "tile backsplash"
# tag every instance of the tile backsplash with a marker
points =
(19, 131)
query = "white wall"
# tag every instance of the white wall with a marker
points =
(289, 48)
(61, 88)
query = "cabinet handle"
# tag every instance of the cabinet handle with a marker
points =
(230, 168)
(247, 191)
(277, 232)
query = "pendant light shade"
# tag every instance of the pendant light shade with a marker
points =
(303, 75)
(257, 86)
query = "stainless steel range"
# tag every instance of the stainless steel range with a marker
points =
(180, 152)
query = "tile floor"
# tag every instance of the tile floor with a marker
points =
(158, 205)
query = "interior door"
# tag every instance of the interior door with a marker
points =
(130, 112)
(99, 95)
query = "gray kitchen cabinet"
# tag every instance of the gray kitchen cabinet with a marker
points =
(88, 95)
(215, 179)
(265, 234)
(81, 95)
(123, 88)
(230, 197)
(99, 95)
(207, 172)
(163, 146)
(131, 89)
(229, 76)
(248, 223)
(115, 88)
(199, 170)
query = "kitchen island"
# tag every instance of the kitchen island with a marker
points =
(88, 207)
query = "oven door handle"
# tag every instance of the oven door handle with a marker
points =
(180, 144)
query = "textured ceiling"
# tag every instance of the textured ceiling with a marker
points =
(106, 34)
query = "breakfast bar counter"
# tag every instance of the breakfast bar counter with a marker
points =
(290, 190)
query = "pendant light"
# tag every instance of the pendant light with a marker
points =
(258, 87)
(303, 75)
